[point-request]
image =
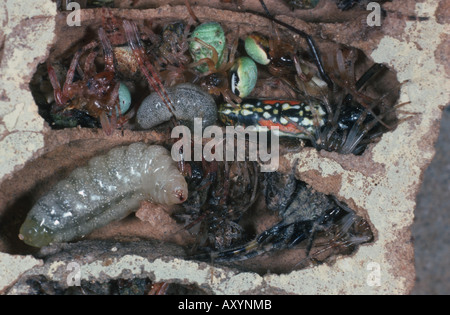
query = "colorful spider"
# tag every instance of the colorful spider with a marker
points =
(213, 60)
(101, 95)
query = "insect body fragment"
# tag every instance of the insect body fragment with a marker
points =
(293, 118)
(109, 188)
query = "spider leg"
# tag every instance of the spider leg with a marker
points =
(89, 66)
(60, 99)
(346, 65)
(374, 69)
(308, 38)
(280, 236)
(110, 123)
(230, 97)
(107, 49)
(230, 55)
(71, 73)
(146, 67)
(191, 12)
(211, 62)
(159, 288)
(73, 67)
(362, 99)
(62, 95)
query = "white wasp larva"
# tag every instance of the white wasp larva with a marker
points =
(109, 188)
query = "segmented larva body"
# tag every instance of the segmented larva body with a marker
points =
(190, 102)
(109, 188)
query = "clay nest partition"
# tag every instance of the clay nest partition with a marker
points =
(358, 180)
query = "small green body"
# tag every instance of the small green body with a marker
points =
(257, 47)
(244, 75)
(124, 98)
(210, 33)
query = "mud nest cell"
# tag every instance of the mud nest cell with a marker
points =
(235, 215)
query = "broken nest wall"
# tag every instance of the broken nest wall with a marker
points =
(381, 184)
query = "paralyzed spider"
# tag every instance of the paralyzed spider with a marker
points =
(356, 119)
(213, 60)
(101, 95)
(306, 217)
(346, 122)
(287, 65)
(173, 59)
(220, 193)
(335, 115)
